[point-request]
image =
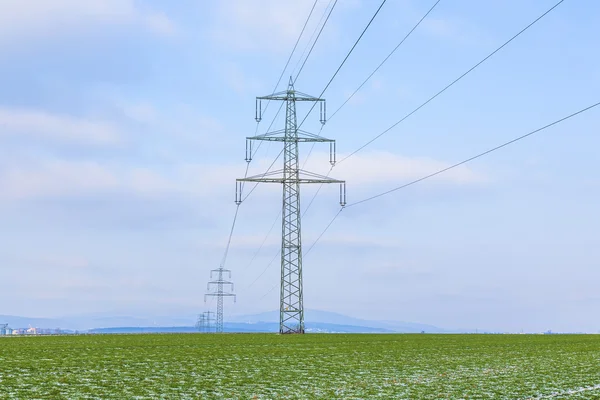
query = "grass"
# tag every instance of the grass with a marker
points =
(208, 366)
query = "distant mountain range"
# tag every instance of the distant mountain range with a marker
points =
(317, 318)
(316, 321)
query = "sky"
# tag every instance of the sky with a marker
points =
(122, 131)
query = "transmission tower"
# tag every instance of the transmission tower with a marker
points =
(219, 292)
(208, 319)
(201, 323)
(204, 320)
(291, 307)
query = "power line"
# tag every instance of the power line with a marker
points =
(316, 40)
(417, 109)
(262, 175)
(385, 59)
(310, 40)
(264, 240)
(237, 209)
(414, 111)
(453, 82)
(475, 157)
(291, 301)
(224, 258)
(265, 270)
(253, 153)
(305, 254)
(360, 87)
(325, 230)
(293, 50)
(279, 81)
(280, 108)
(441, 171)
(334, 75)
(345, 59)
(314, 104)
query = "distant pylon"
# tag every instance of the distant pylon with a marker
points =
(201, 323)
(208, 319)
(219, 293)
(291, 307)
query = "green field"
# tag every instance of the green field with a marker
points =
(246, 366)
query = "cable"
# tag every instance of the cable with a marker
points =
(279, 81)
(264, 241)
(256, 151)
(384, 60)
(421, 106)
(269, 292)
(475, 157)
(315, 42)
(264, 270)
(326, 86)
(305, 254)
(311, 37)
(263, 175)
(345, 59)
(453, 82)
(280, 108)
(360, 87)
(293, 51)
(227, 247)
(325, 230)
(441, 171)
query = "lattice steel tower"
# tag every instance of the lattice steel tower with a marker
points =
(203, 324)
(291, 308)
(219, 293)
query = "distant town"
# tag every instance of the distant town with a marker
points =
(5, 330)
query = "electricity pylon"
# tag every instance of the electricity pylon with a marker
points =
(207, 320)
(291, 307)
(219, 293)
(201, 322)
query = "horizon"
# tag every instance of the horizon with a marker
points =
(347, 320)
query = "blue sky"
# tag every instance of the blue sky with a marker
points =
(122, 127)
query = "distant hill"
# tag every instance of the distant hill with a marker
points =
(94, 321)
(241, 327)
(316, 321)
(316, 316)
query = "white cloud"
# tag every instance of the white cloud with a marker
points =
(41, 124)
(260, 24)
(34, 18)
(58, 178)
(66, 179)
(380, 167)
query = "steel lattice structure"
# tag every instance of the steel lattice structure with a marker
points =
(204, 320)
(291, 308)
(219, 284)
(201, 322)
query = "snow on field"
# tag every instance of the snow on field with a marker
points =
(209, 366)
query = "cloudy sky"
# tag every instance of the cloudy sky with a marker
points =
(122, 127)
